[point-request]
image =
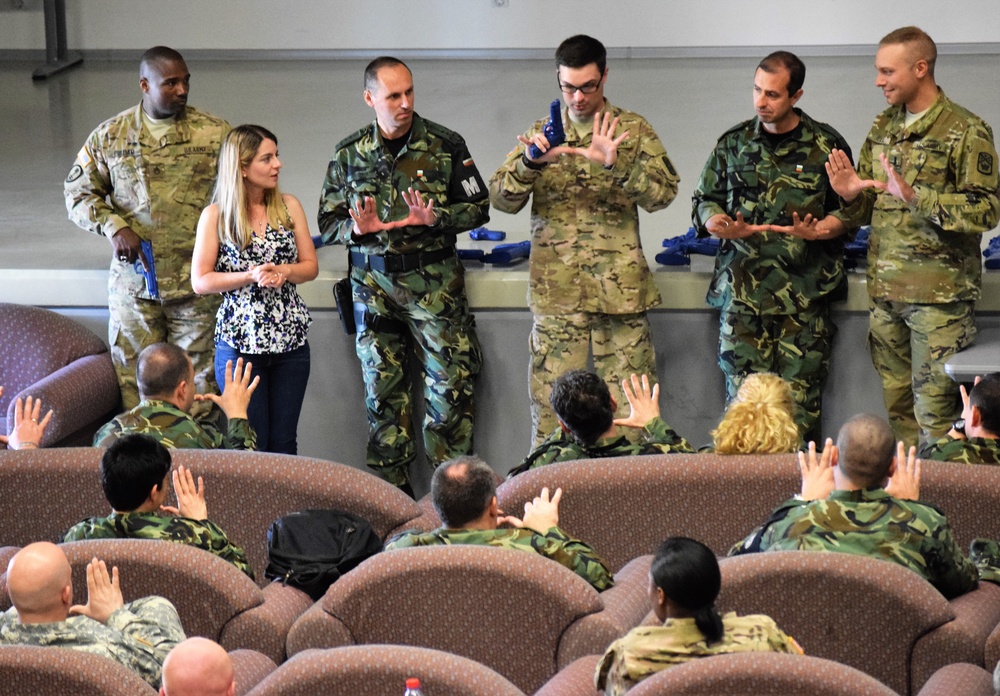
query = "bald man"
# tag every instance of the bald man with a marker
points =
(137, 635)
(198, 667)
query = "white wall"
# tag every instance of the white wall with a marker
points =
(326, 25)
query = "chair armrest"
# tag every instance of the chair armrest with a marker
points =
(317, 628)
(250, 668)
(264, 628)
(84, 389)
(961, 678)
(576, 679)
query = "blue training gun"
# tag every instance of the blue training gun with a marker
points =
(553, 131)
(501, 254)
(677, 250)
(152, 287)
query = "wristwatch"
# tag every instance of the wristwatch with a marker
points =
(959, 426)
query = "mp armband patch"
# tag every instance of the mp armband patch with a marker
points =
(984, 164)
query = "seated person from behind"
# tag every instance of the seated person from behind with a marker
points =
(166, 386)
(137, 635)
(588, 428)
(135, 474)
(978, 440)
(463, 491)
(28, 429)
(198, 667)
(684, 581)
(857, 498)
(761, 420)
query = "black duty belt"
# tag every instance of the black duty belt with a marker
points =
(399, 263)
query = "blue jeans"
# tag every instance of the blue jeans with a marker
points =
(277, 401)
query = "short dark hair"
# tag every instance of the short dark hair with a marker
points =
(580, 51)
(918, 42)
(582, 401)
(130, 468)
(688, 573)
(866, 447)
(371, 72)
(158, 55)
(162, 366)
(461, 490)
(784, 60)
(986, 397)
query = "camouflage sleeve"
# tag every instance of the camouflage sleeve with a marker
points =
(973, 206)
(468, 200)
(335, 223)
(762, 537)
(662, 437)
(239, 435)
(108, 433)
(711, 193)
(577, 556)
(557, 447)
(149, 629)
(511, 185)
(985, 554)
(611, 675)
(88, 189)
(645, 172)
(91, 528)
(206, 535)
(948, 569)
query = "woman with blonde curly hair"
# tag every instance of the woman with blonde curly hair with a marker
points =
(761, 420)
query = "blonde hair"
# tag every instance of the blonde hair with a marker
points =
(919, 45)
(237, 152)
(761, 420)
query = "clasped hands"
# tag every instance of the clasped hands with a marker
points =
(367, 221)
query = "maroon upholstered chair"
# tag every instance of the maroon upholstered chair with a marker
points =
(577, 679)
(516, 612)
(961, 678)
(213, 598)
(871, 614)
(30, 670)
(761, 674)
(969, 494)
(377, 670)
(246, 491)
(67, 366)
(250, 669)
(625, 506)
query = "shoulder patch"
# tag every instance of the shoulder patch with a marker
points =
(75, 173)
(984, 163)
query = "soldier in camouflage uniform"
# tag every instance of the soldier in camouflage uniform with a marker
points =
(138, 635)
(587, 426)
(846, 506)
(166, 384)
(927, 181)
(975, 439)
(456, 484)
(397, 193)
(135, 473)
(684, 583)
(765, 193)
(145, 175)
(590, 286)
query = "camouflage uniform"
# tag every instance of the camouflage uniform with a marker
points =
(590, 286)
(973, 450)
(870, 522)
(124, 178)
(423, 306)
(179, 430)
(647, 650)
(203, 534)
(924, 263)
(560, 446)
(555, 544)
(137, 636)
(774, 290)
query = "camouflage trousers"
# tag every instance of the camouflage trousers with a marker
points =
(910, 344)
(136, 323)
(620, 343)
(424, 312)
(795, 347)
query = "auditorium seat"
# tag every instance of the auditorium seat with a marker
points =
(516, 612)
(55, 359)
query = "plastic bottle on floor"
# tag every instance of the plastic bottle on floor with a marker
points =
(413, 687)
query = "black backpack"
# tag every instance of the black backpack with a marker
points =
(311, 549)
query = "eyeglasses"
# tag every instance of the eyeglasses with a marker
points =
(588, 88)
